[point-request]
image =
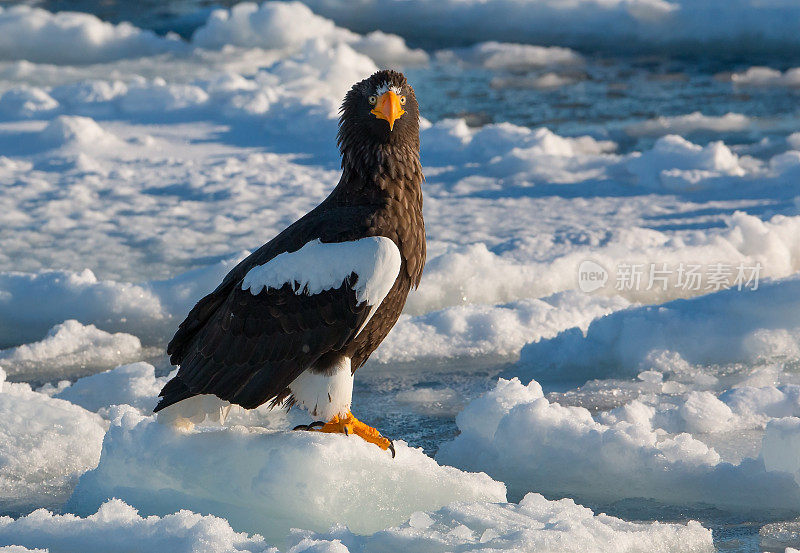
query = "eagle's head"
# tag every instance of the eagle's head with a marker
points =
(380, 109)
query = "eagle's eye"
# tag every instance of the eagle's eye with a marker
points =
(372, 100)
(402, 100)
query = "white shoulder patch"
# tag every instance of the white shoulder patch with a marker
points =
(321, 266)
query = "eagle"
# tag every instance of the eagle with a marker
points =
(292, 322)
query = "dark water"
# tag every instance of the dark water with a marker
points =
(178, 16)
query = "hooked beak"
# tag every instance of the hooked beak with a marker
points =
(388, 107)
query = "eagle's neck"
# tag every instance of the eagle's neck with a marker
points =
(388, 178)
(382, 170)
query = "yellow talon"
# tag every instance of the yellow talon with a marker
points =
(351, 425)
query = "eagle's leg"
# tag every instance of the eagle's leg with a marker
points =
(348, 424)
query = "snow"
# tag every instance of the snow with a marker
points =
(515, 57)
(39, 36)
(31, 303)
(535, 524)
(530, 443)
(134, 384)
(690, 123)
(766, 76)
(781, 443)
(532, 525)
(159, 469)
(117, 526)
(137, 170)
(45, 445)
(69, 345)
(483, 330)
(736, 327)
(271, 26)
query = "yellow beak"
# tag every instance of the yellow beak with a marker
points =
(388, 107)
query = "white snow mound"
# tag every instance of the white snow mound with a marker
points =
(516, 435)
(45, 444)
(69, 345)
(736, 326)
(117, 526)
(40, 36)
(533, 525)
(269, 482)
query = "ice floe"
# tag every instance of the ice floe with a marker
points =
(531, 525)
(45, 445)
(69, 346)
(725, 327)
(244, 473)
(517, 435)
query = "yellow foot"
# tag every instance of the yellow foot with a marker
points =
(350, 425)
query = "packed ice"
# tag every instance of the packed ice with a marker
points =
(609, 314)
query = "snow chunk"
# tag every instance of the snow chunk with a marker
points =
(69, 345)
(32, 303)
(45, 445)
(515, 57)
(117, 526)
(704, 412)
(319, 266)
(135, 385)
(323, 73)
(271, 481)
(621, 343)
(535, 524)
(766, 76)
(68, 130)
(781, 446)
(690, 123)
(160, 96)
(474, 329)
(677, 164)
(24, 102)
(39, 36)
(273, 26)
(530, 443)
(388, 50)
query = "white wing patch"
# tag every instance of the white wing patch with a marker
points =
(321, 266)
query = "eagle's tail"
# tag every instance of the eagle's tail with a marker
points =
(174, 391)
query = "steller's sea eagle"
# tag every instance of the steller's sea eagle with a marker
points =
(294, 320)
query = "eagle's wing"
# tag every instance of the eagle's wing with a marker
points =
(280, 318)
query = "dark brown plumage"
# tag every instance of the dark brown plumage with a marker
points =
(248, 348)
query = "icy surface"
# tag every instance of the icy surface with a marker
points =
(69, 346)
(269, 482)
(137, 169)
(116, 526)
(45, 445)
(535, 524)
(736, 327)
(135, 385)
(532, 525)
(530, 443)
